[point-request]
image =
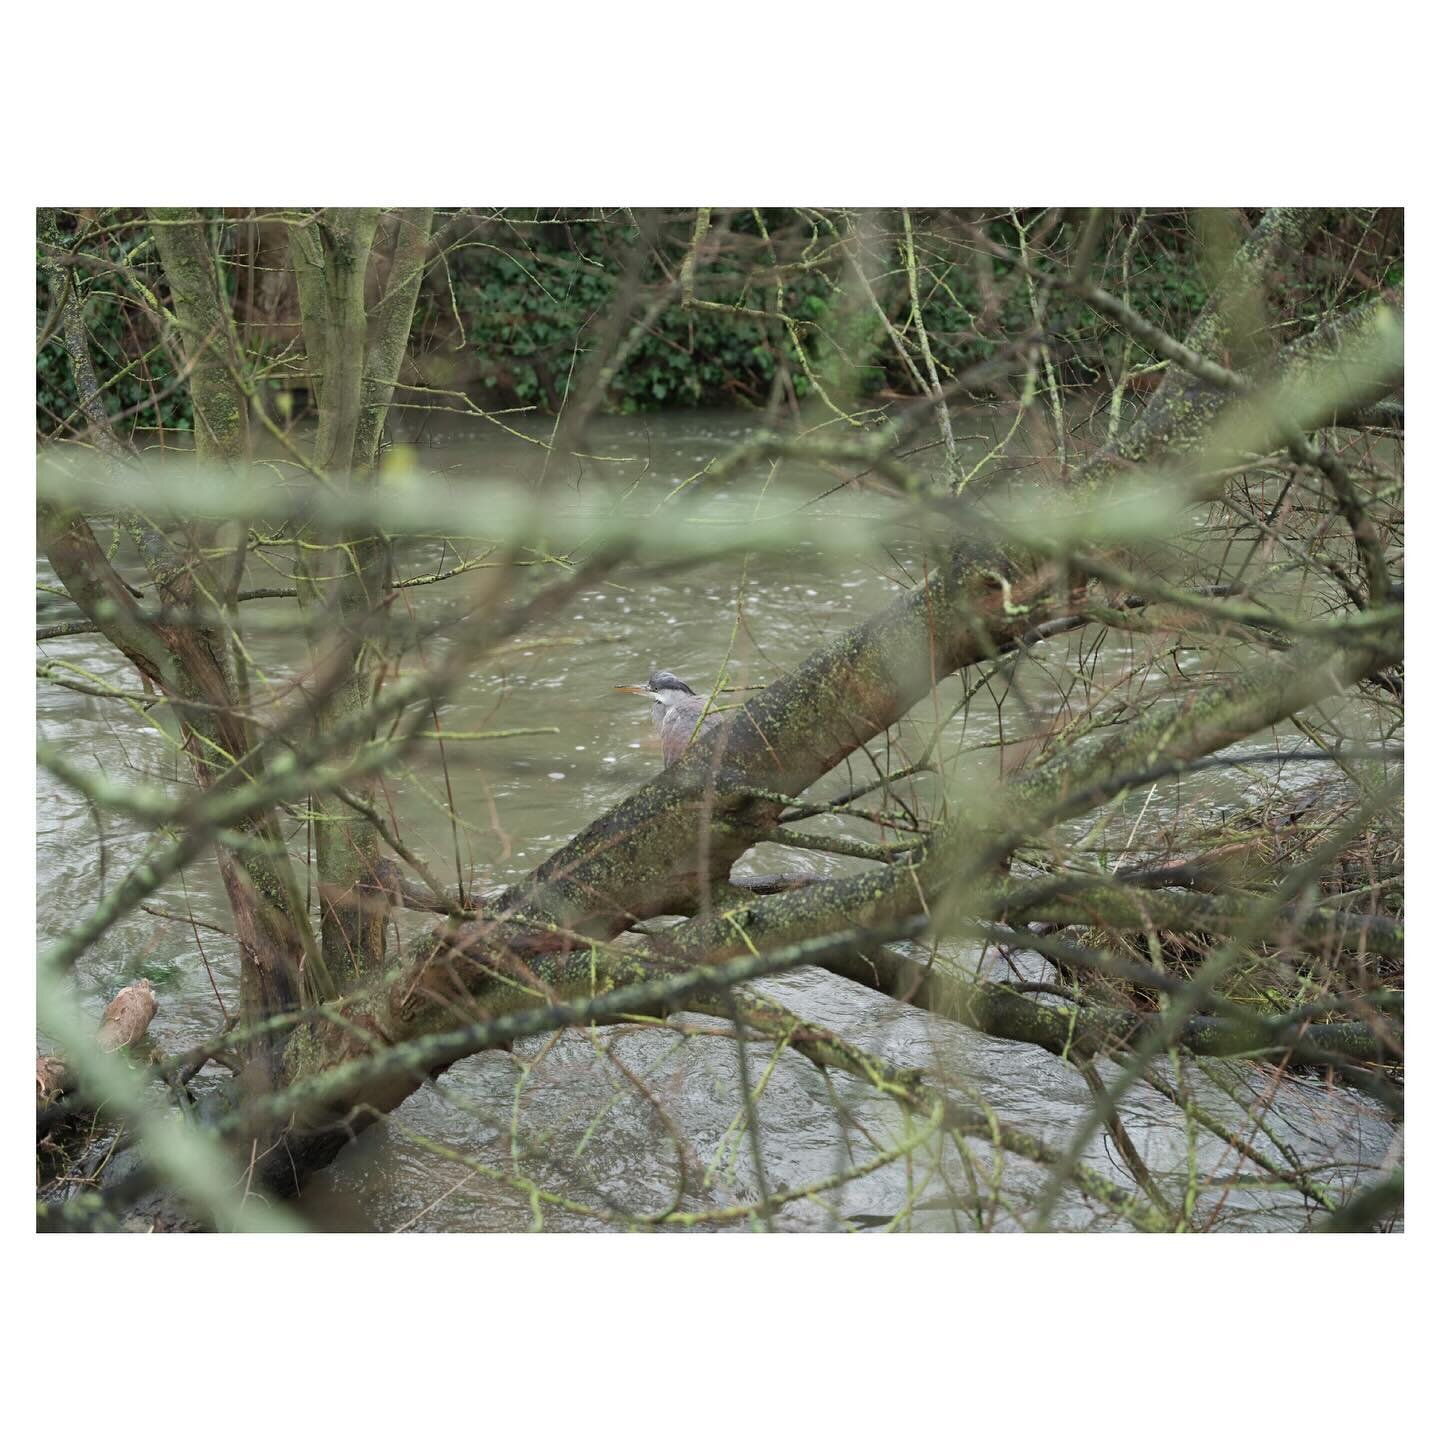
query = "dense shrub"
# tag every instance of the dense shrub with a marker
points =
(509, 314)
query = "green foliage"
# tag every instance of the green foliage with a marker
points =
(123, 344)
(529, 302)
(146, 395)
(527, 296)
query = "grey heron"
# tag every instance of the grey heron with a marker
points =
(676, 711)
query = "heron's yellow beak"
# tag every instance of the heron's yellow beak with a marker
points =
(632, 690)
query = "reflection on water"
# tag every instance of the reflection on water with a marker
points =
(637, 1122)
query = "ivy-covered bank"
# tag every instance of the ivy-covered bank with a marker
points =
(708, 308)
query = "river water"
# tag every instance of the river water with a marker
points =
(623, 1124)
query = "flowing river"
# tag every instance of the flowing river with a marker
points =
(628, 1123)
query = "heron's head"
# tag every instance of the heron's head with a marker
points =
(662, 687)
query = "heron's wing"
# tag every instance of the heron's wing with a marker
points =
(678, 727)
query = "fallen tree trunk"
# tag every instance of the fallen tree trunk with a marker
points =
(1116, 907)
(480, 970)
(662, 847)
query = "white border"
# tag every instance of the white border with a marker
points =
(669, 104)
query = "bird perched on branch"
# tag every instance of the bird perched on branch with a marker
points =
(677, 712)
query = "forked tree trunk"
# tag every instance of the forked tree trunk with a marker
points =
(360, 362)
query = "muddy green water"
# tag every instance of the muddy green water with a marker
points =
(628, 1123)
